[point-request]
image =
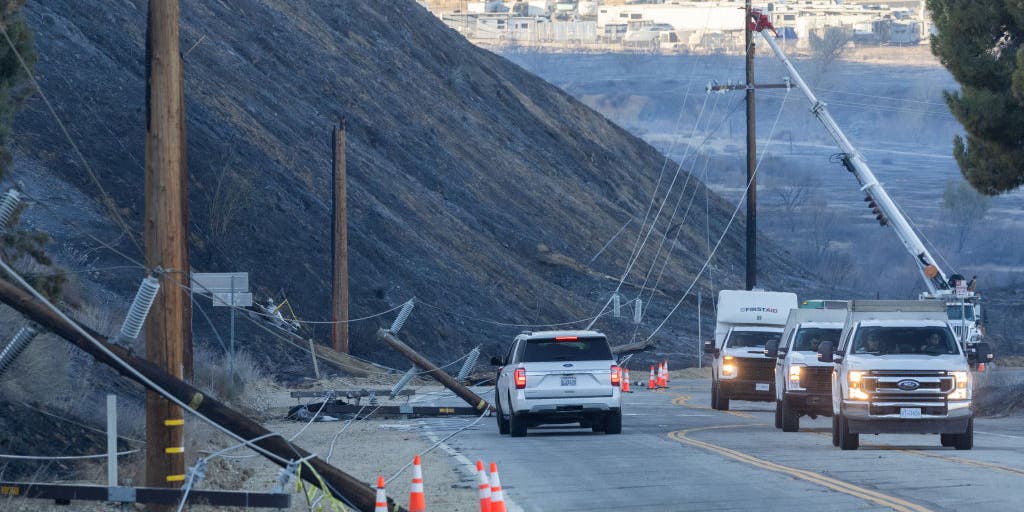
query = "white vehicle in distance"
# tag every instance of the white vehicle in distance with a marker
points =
(900, 369)
(803, 385)
(747, 321)
(558, 377)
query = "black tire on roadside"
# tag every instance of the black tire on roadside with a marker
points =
(613, 423)
(503, 427)
(965, 441)
(847, 440)
(517, 425)
(790, 418)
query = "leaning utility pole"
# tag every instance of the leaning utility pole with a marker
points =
(166, 238)
(751, 154)
(339, 247)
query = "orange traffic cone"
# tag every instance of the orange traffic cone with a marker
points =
(661, 376)
(417, 499)
(497, 497)
(625, 381)
(485, 487)
(382, 499)
(650, 381)
(981, 367)
(667, 379)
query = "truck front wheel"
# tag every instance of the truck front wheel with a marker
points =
(719, 400)
(778, 414)
(847, 440)
(948, 440)
(790, 418)
(965, 441)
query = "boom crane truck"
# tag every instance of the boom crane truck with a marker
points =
(963, 305)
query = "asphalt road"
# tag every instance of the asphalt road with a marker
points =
(675, 453)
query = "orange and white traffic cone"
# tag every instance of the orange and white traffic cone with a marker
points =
(381, 504)
(651, 383)
(661, 376)
(625, 381)
(485, 487)
(497, 497)
(981, 367)
(417, 499)
(667, 378)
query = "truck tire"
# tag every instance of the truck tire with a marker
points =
(719, 401)
(613, 423)
(517, 425)
(948, 440)
(965, 441)
(847, 441)
(503, 428)
(778, 414)
(790, 418)
(835, 430)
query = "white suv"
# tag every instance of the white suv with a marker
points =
(558, 377)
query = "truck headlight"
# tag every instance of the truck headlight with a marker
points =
(854, 380)
(961, 386)
(794, 376)
(728, 367)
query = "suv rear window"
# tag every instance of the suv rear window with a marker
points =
(569, 349)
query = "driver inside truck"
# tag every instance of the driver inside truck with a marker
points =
(815, 341)
(871, 345)
(933, 345)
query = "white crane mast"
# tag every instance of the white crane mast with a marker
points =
(934, 277)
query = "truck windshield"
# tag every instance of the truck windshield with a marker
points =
(878, 340)
(751, 338)
(567, 349)
(808, 338)
(954, 312)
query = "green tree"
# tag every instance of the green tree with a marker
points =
(979, 42)
(965, 208)
(19, 245)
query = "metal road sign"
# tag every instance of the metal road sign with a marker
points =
(240, 299)
(220, 282)
(961, 289)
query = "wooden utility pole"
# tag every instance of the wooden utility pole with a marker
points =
(166, 238)
(751, 155)
(433, 371)
(339, 247)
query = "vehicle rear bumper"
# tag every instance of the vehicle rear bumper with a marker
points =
(568, 406)
(861, 420)
(811, 404)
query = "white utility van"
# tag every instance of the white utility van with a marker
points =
(746, 322)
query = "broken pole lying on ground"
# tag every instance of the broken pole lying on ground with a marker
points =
(474, 400)
(340, 484)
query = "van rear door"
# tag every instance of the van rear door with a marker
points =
(567, 367)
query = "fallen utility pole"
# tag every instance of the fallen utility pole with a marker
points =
(166, 238)
(340, 484)
(474, 400)
(64, 494)
(633, 347)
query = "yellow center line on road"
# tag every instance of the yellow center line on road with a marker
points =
(875, 497)
(682, 400)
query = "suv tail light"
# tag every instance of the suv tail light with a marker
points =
(520, 376)
(616, 375)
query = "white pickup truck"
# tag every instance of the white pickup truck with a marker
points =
(746, 322)
(900, 369)
(803, 385)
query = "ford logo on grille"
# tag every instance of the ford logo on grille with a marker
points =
(908, 384)
(567, 365)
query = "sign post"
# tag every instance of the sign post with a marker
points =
(226, 289)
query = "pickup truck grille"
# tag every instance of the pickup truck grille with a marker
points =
(817, 379)
(755, 369)
(884, 386)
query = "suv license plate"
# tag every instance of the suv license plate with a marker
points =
(761, 386)
(910, 412)
(568, 380)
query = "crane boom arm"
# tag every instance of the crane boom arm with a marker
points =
(933, 276)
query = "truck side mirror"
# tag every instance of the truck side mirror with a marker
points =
(826, 352)
(771, 349)
(709, 348)
(984, 352)
(496, 361)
